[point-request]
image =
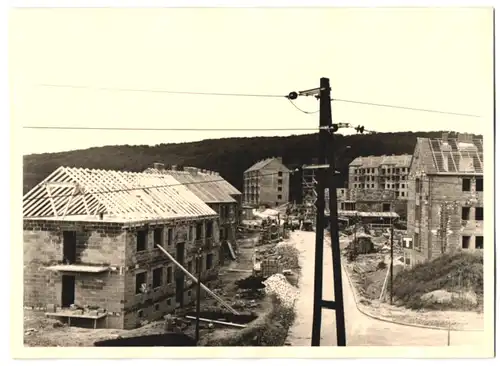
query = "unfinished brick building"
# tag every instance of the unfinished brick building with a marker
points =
(386, 172)
(371, 200)
(90, 240)
(216, 192)
(445, 203)
(376, 180)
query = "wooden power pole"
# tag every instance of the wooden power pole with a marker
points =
(326, 154)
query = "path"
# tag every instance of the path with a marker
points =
(361, 329)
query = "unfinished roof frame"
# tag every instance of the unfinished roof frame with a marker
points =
(439, 155)
(124, 196)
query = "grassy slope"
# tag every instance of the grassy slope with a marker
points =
(443, 273)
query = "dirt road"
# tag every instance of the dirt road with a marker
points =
(361, 329)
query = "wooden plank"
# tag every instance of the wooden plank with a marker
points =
(51, 201)
(85, 201)
(222, 302)
(217, 322)
(69, 202)
(70, 315)
(61, 184)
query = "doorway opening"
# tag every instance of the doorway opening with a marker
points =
(68, 291)
(69, 247)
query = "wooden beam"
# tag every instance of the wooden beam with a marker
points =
(222, 302)
(51, 200)
(60, 184)
(82, 192)
(217, 322)
(70, 199)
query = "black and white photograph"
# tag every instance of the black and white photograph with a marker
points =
(276, 179)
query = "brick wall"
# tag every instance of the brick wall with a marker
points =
(446, 195)
(161, 301)
(371, 195)
(96, 243)
(416, 254)
(440, 228)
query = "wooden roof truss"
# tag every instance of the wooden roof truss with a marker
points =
(449, 160)
(78, 191)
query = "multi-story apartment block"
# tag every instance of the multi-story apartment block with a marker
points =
(381, 173)
(378, 184)
(445, 205)
(266, 183)
(90, 246)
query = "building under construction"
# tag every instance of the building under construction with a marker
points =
(91, 253)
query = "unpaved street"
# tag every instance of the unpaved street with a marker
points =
(361, 329)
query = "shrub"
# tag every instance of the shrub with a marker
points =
(270, 329)
(451, 272)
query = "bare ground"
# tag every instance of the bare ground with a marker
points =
(43, 332)
(369, 286)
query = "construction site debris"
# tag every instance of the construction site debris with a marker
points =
(220, 316)
(251, 282)
(278, 285)
(210, 321)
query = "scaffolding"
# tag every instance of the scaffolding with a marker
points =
(309, 192)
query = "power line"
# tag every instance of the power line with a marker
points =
(289, 97)
(166, 91)
(136, 188)
(300, 109)
(407, 108)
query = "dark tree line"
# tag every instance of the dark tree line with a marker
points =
(230, 157)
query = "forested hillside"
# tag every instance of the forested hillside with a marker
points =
(230, 157)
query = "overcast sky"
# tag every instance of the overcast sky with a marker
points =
(425, 58)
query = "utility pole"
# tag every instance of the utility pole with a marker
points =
(326, 129)
(338, 304)
(324, 121)
(326, 154)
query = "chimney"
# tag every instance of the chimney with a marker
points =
(444, 137)
(174, 167)
(280, 159)
(159, 166)
(464, 137)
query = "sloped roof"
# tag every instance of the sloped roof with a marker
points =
(121, 196)
(205, 186)
(444, 156)
(398, 161)
(261, 164)
(223, 184)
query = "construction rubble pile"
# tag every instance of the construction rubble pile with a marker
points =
(380, 238)
(278, 285)
(286, 254)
